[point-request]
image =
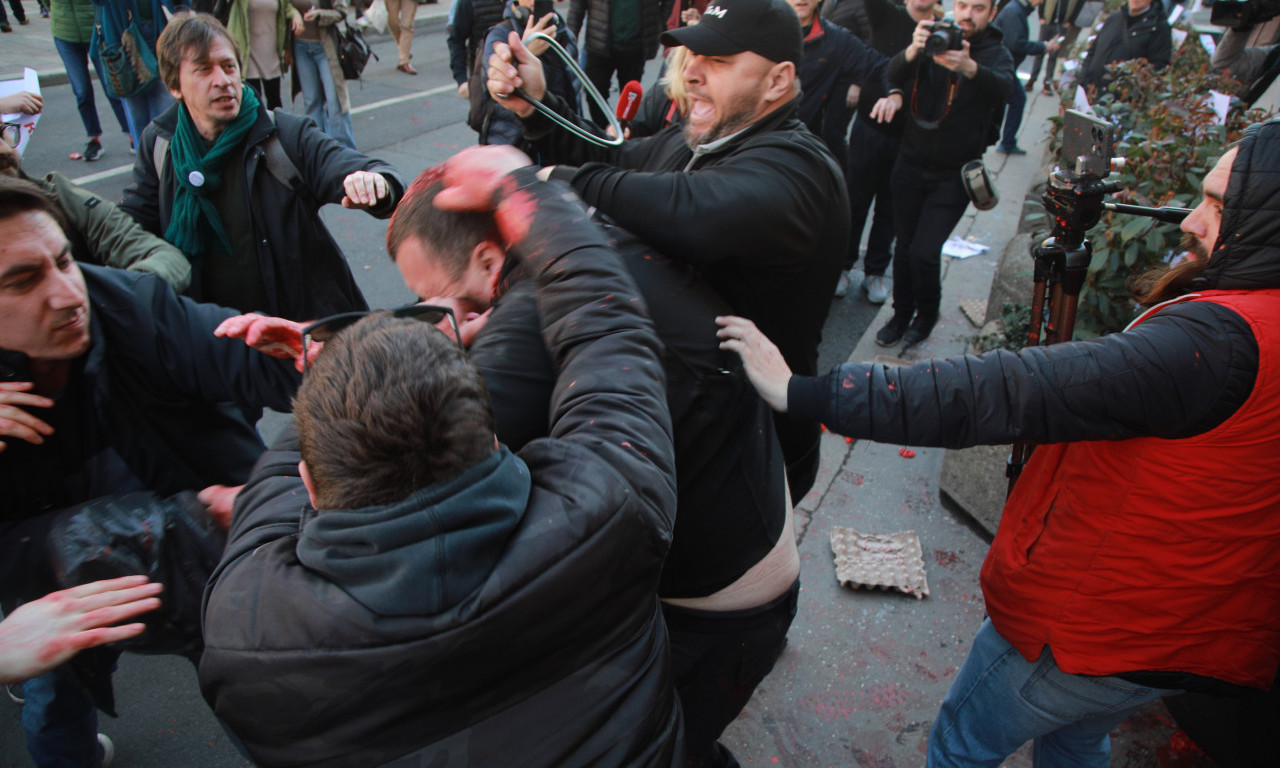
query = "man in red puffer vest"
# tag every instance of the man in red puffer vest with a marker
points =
(1139, 554)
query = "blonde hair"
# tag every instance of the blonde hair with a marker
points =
(673, 79)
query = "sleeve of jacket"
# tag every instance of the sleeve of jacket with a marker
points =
(670, 210)
(202, 366)
(325, 164)
(115, 239)
(861, 63)
(901, 72)
(995, 76)
(1177, 374)
(142, 198)
(610, 395)
(460, 21)
(1234, 54)
(577, 12)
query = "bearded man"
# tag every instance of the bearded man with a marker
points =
(741, 190)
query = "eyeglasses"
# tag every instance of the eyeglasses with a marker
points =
(323, 330)
(12, 134)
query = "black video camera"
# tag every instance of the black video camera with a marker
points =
(1241, 14)
(944, 36)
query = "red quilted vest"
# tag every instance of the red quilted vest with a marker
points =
(1152, 554)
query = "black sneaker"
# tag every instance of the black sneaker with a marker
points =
(5, 28)
(920, 329)
(93, 150)
(892, 331)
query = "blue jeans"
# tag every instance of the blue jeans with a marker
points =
(75, 57)
(999, 701)
(319, 95)
(60, 721)
(1013, 115)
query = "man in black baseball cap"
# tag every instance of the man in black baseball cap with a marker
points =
(767, 27)
(747, 195)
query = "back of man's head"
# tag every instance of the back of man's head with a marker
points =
(18, 195)
(450, 235)
(189, 34)
(391, 406)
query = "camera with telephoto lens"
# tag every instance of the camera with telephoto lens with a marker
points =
(944, 36)
(1241, 14)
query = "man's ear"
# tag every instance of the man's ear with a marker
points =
(780, 82)
(308, 482)
(489, 257)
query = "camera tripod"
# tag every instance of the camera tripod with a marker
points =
(1074, 200)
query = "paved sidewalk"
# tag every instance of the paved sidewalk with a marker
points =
(864, 672)
(32, 45)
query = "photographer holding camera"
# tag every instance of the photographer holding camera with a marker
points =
(956, 77)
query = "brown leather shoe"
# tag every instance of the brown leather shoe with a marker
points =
(407, 68)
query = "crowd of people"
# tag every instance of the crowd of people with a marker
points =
(544, 516)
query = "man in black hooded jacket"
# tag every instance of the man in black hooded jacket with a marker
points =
(1138, 30)
(955, 101)
(443, 600)
(740, 190)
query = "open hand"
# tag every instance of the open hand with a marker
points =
(272, 336)
(15, 420)
(45, 633)
(763, 362)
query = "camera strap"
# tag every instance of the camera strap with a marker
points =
(953, 85)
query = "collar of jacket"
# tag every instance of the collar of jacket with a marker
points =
(783, 118)
(816, 30)
(427, 553)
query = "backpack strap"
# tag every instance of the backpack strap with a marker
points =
(278, 163)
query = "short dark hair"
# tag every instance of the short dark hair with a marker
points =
(452, 235)
(391, 406)
(21, 196)
(186, 31)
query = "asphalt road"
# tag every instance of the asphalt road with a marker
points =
(411, 122)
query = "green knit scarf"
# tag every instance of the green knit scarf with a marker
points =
(195, 226)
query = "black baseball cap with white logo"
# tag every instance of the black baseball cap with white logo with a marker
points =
(767, 27)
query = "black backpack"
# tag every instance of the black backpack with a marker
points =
(353, 51)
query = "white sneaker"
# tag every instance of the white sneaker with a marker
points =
(108, 750)
(877, 288)
(842, 287)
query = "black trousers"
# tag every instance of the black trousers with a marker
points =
(719, 657)
(629, 66)
(869, 175)
(928, 203)
(268, 90)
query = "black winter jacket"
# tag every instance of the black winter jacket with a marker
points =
(1012, 22)
(891, 31)
(304, 273)
(1124, 37)
(833, 58)
(154, 379)
(599, 39)
(469, 23)
(508, 617)
(968, 112)
(852, 15)
(762, 214)
(1179, 373)
(731, 503)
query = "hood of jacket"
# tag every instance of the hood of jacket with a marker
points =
(1247, 255)
(425, 554)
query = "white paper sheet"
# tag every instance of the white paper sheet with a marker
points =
(961, 249)
(29, 82)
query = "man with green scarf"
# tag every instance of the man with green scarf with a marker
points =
(238, 189)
